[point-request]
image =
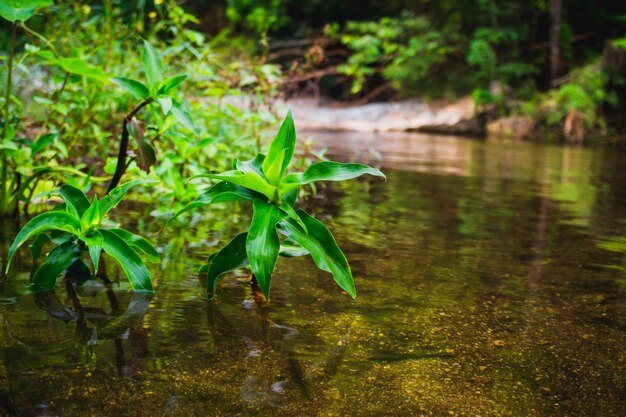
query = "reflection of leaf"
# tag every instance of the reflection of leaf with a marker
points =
(49, 302)
(130, 318)
(137, 307)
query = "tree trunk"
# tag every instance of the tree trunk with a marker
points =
(556, 7)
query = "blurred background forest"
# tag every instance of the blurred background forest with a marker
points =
(540, 70)
(558, 63)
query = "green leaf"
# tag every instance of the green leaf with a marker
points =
(78, 272)
(249, 180)
(79, 66)
(290, 249)
(57, 261)
(230, 257)
(288, 188)
(289, 197)
(166, 104)
(289, 211)
(53, 220)
(151, 62)
(117, 194)
(75, 200)
(336, 171)
(37, 245)
(22, 10)
(283, 145)
(139, 244)
(323, 247)
(262, 244)
(137, 89)
(170, 83)
(129, 261)
(254, 165)
(182, 116)
(91, 218)
(273, 173)
(94, 242)
(59, 237)
(43, 142)
(221, 192)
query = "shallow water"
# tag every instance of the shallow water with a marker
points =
(491, 281)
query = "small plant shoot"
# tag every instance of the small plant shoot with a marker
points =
(264, 182)
(156, 90)
(81, 227)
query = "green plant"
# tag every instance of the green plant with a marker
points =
(263, 181)
(406, 50)
(80, 227)
(575, 109)
(11, 191)
(158, 91)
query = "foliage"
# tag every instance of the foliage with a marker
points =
(21, 10)
(407, 50)
(69, 115)
(158, 90)
(257, 17)
(81, 227)
(11, 149)
(264, 182)
(488, 68)
(575, 108)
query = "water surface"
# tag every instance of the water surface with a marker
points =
(491, 281)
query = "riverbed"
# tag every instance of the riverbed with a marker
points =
(491, 280)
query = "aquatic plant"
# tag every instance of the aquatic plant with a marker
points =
(264, 182)
(81, 226)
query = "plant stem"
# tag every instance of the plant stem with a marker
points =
(40, 37)
(120, 168)
(5, 132)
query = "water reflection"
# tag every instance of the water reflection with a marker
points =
(490, 282)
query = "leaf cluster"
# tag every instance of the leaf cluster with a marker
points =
(265, 183)
(157, 88)
(79, 226)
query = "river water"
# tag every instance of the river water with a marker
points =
(491, 281)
